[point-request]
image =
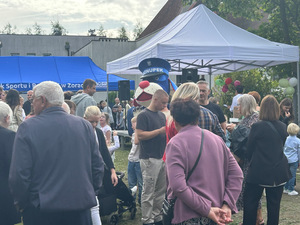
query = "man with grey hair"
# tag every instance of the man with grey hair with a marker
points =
(8, 212)
(27, 104)
(56, 168)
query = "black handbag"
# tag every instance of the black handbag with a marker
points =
(168, 205)
(239, 138)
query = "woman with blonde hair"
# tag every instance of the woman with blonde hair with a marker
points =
(92, 114)
(208, 120)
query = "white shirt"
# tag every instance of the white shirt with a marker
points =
(234, 101)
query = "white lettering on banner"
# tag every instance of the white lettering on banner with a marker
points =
(16, 86)
(63, 85)
(101, 84)
(74, 85)
(153, 70)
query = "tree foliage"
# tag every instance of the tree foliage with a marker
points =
(36, 30)
(9, 29)
(101, 31)
(138, 29)
(57, 29)
(122, 33)
(252, 80)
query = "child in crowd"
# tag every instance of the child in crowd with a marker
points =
(106, 129)
(134, 169)
(120, 125)
(113, 146)
(292, 152)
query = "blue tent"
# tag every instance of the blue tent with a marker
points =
(24, 72)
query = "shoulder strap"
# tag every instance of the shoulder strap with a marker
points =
(196, 163)
(274, 129)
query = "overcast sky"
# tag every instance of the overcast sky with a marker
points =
(78, 16)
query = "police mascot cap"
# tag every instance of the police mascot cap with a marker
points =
(153, 67)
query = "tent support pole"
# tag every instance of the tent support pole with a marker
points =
(107, 89)
(210, 78)
(298, 93)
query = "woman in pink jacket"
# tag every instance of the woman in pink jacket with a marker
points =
(210, 194)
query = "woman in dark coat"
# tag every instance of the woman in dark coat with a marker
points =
(268, 165)
(8, 212)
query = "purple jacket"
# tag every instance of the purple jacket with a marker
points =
(216, 178)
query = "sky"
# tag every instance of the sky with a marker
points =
(78, 16)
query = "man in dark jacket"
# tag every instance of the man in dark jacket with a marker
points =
(56, 168)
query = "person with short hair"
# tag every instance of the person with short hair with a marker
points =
(8, 212)
(120, 125)
(257, 97)
(292, 152)
(27, 104)
(56, 169)
(203, 100)
(210, 194)
(85, 99)
(134, 169)
(268, 167)
(207, 120)
(238, 92)
(151, 134)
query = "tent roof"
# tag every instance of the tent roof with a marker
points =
(24, 72)
(201, 39)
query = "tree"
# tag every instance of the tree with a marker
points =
(57, 29)
(9, 29)
(252, 80)
(28, 31)
(101, 31)
(122, 33)
(91, 32)
(138, 29)
(37, 29)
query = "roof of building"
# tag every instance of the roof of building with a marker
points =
(173, 8)
(168, 12)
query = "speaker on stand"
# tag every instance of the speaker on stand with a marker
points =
(188, 75)
(124, 90)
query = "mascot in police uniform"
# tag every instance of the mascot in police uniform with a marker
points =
(156, 70)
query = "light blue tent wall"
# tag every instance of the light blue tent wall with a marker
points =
(24, 72)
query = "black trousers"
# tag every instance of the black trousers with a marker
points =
(252, 196)
(33, 216)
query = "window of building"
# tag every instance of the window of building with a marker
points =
(31, 54)
(14, 54)
(46, 54)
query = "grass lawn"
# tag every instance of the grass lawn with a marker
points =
(289, 212)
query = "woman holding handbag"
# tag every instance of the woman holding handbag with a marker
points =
(202, 174)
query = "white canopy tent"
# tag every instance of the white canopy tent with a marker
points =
(201, 39)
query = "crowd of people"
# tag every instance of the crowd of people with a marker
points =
(59, 149)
